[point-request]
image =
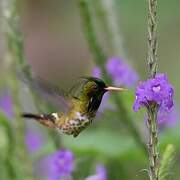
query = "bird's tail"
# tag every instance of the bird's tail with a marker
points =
(45, 119)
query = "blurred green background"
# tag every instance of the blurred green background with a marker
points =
(53, 35)
(57, 51)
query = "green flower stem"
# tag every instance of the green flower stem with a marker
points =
(152, 109)
(13, 40)
(15, 44)
(8, 158)
(106, 13)
(128, 122)
(152, 38)
(100, 59)
(19, 130)
(105, 10)
(153, 143)
(90, 34)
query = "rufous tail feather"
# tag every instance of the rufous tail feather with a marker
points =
(45, 119)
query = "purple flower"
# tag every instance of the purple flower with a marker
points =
(34, 140)
(6, 104)
(121, 73)
(157, 90)
(60, 165)
(167, 119)
(96, 72)
(100, 174)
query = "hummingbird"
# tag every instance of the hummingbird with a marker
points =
(82, 107)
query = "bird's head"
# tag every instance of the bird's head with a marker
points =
(94, 89)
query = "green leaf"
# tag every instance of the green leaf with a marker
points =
(166, 162)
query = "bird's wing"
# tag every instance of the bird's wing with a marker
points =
(76, 90)
(52, 94)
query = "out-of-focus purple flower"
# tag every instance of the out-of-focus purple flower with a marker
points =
(121, 73)
(6, 104)
(157, 90)
(96, 72)
(34, 140)
(100, 174)
(167, 119)
(60, 165)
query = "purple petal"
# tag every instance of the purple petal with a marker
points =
(96, 72)
(167, 119)
(157, 90)
(34, 140)
(60, 164)
(100, 174)
(121, 73)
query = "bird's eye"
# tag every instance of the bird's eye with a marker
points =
(95, 87)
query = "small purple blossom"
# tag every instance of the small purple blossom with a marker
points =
(6, 104)
(100, 174)
(157, 90)
(60, 165)
(167, 119)
(34, 140)
(121, 73)
(96, 72)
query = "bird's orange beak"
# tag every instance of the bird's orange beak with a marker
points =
(111, 88)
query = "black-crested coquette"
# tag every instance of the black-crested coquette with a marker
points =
(82, 107)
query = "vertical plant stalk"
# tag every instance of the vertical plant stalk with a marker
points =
(106, 12)
(153, 143)
(152, 38)
(100, 58)
(14, 44)
(90, 34)
(152, 109)
(8, 157)
(16, 47)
